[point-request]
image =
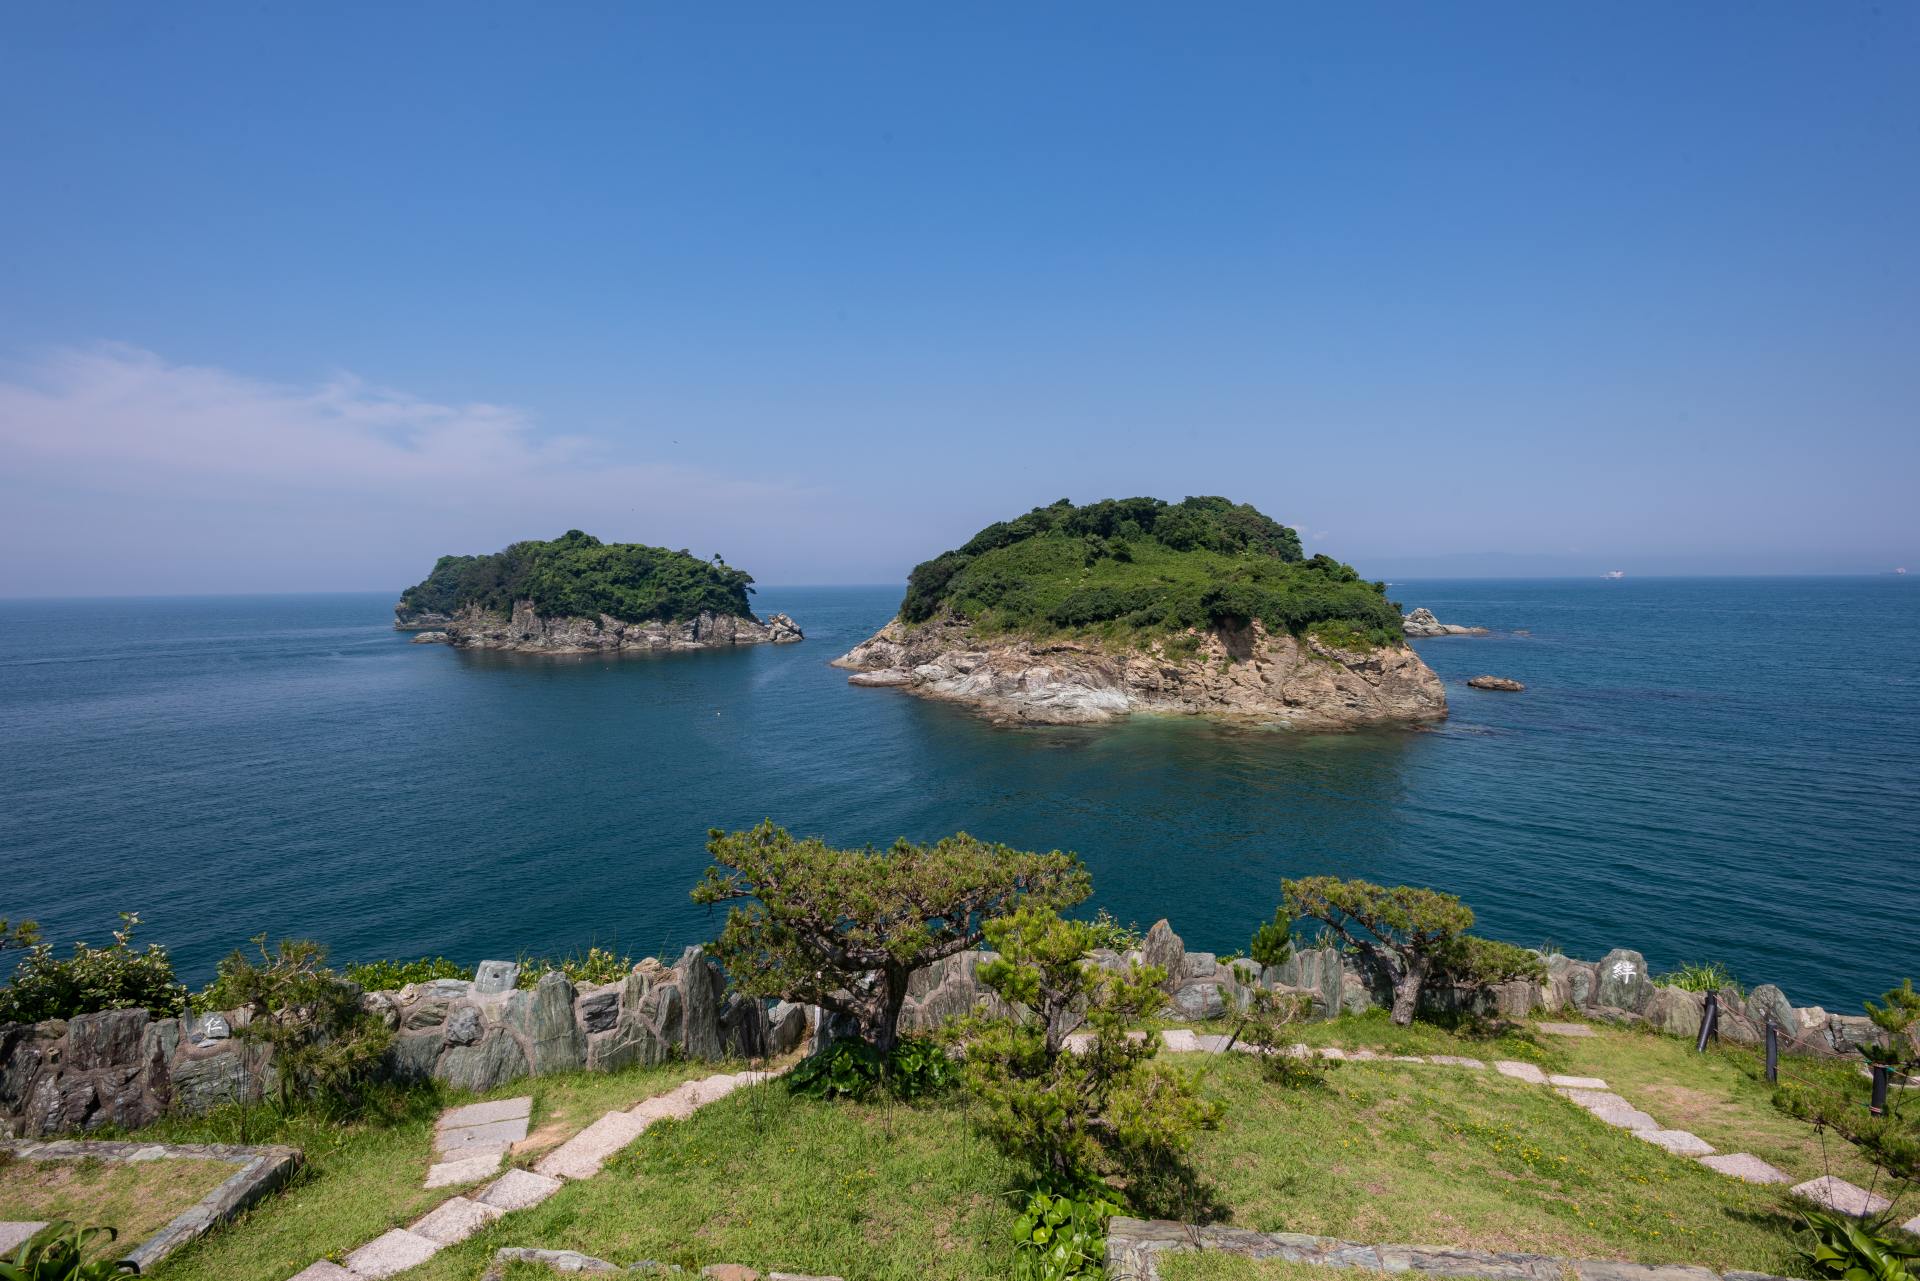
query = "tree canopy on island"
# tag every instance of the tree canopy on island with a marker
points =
(1133, 567)
(578, 576)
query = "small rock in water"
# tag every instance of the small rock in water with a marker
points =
(1496, 682)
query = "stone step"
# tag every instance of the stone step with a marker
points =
(518, 1190)
(390, 1252)
(581, 1156)
(1454, 1060)
(486, 1113)
(1841, 1197)
(1520, 1071)
(1742, 1165)
(454, 1220)
(322, 1271)
(466, 1169)
(1577, 1082)
(1678, 1142)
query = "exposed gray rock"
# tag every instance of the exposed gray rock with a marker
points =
(1420, 622)
(1163, 949)
(1624, 984)
(1676, 1012)
(492, 1062)
(526, 631)
(1503, 683)
(463, 1026)
(1768, 1001)
(543, 1020)
(599, 1010)
(491, 977)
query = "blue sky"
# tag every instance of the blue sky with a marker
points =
(301, 297)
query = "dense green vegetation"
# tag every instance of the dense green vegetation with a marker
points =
(1132, 568)
(578, 576)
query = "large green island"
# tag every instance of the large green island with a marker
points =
(1074, 614)
(578, 595)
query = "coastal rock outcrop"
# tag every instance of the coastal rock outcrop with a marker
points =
(1421, 622)
(1497, 682)
(526, 631)
(1245, 674)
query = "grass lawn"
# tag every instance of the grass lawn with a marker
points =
(1384, 1152)
(363, 1178)
(137, 1199)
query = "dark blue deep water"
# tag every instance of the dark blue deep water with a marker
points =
(1702, 769)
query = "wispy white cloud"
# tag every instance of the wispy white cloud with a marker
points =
(114, 451)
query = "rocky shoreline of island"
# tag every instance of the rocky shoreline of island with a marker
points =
(1245, 674)
(525, 631)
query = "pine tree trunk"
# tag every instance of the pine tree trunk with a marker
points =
(1406, 991)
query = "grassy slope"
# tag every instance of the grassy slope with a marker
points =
(137, 1199)
(1387, 1152)
(362, 1179)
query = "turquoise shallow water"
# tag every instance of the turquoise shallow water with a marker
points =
(1702, 769)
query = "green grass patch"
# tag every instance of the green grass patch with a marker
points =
(138, 1199)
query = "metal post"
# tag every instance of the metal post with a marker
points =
(1709, 1023)
(1880, 1074)
(1773, 1052)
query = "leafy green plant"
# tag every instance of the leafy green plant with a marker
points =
(847, 1069)
(1418, 936)
(324, 1046)
(846, 929)
(1264, 1027)
(1062, 1236)
(17, 934)
(595, 965)
(1272, 943)
(1701, 976)
(93, 979)
(389, 976)
(1108, 932)
(1843, 1246)
(58, 1252)
(1075, 1114)
(1898, 1016)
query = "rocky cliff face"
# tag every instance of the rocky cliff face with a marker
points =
(527, 632)
(1245, 675)
(1422, 623)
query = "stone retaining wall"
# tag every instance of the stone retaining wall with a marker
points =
(124, 1068)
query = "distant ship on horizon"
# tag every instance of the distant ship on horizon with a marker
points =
(1615, 573)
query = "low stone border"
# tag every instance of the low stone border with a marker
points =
(574, 1261)
(1134, 1247)
(262, 1170)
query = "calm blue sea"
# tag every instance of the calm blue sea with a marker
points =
(1702, 769)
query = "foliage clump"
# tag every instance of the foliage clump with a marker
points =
(1418, 936)
(118, 977)
(1078, 1114)
(595, 965)
(63, 1251)
(1701, 976)
(916, 1067)
(390, 976)
(844, 929)
(1136, 569)
(578, 576)
(324, 1047)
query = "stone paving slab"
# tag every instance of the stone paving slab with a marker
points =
(518, 1190)
(454, 1220)
(581, 1156)
(1678, 1142)
(1611, 1270)
(1840, 1196)
(1180, 1040)
(1741, 1165)
(470, 1140)
(1591, 1099)
(1627, 1118)
(1520, 1071)
(1454, 1060)
(469, 1169)
(323, 1271)
(1577, 1082)
(1565, 1029)
(13, 1233)
(486, 1113)
(663, 1107)
(390, 1252)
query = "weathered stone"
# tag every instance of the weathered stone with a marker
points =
(543, 1019)
(454, 1220)
(1675, 1011)
(1624, 984)
(323, 1271)
(1678, 1142)
(110, 1038)
(518, 1109)
(202, 1084)
(466, 1169)
(1746, 1167)
(13, 1233)
(518, 1190)
(729, 1272)
(1576, 1082)
(1769, 1002)
(1520, 1071)
(1162, 948)
(489, 1136)
(391, 1252)
(491, 977)
(410, 1057)
(786, 1027)
(1607, 1270)
(494, 1061)
(599, 1010)
(705, 987)
(1841, 1197)
(581, 1156)
(208, 1028)
(1203, 1000)
(567, 1261)
(1583, 981)
(463, 1026)
(743, 1028)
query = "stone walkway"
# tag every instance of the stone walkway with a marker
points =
(485, 1131)
(470, 1141)
(1587, 1092)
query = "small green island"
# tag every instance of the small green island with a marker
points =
(575, 595)
(1073, 614)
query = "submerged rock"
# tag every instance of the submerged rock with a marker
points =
(1496, 682)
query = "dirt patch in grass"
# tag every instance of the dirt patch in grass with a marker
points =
(138, 1199)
